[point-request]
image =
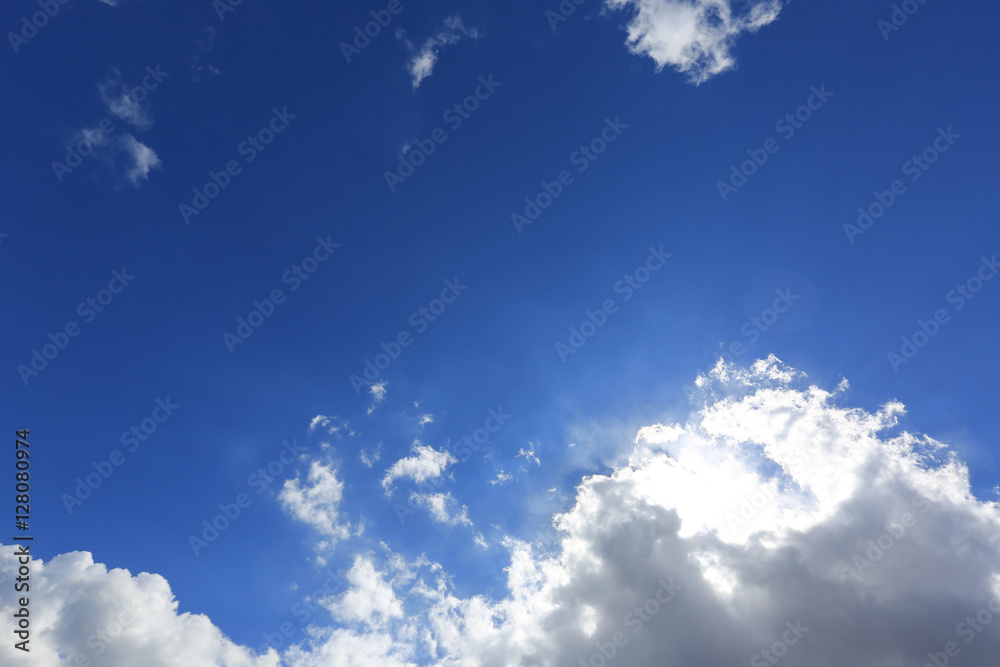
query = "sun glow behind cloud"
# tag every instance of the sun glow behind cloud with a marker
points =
(764, 506)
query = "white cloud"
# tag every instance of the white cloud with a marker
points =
(770, 506)
(443, 508)
(529, 454)
(318, 503)
(427, 463)
(81, 610)
(377, 390)
(140, 159)
(695, 37)
(121, 101)
(127, 159)
(333, 425)
(423, 59)
(370, 600)
(501, 478)
(370, 459)
(658, 434)
(110, 3)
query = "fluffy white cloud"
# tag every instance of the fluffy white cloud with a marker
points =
(771, 519)
(370, 600)
(424, 58)
(771, 515)
(695, 37)
(426, 463)
(81, 611)
(317, 502)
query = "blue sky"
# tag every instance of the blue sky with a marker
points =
(698, 169)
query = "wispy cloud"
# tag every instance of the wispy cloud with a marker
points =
(378, 391)
(770, 514)
(140, 159)
(529, 454)
(423, 58)
(443, 508)
(203, 46)
(369, 458)
(334, 425)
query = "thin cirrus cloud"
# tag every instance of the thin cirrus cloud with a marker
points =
(770, 506)
(695, 37)
(423, 58)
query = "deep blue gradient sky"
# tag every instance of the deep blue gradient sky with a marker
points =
(494, 347)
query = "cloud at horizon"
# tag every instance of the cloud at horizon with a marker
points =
(771, 513)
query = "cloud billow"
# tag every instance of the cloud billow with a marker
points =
(771, 523)
(695, 37)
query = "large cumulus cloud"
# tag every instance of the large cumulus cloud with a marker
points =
(774, 524)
